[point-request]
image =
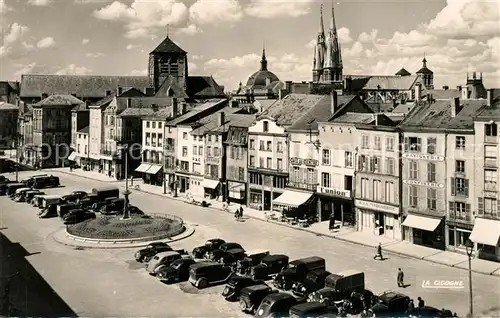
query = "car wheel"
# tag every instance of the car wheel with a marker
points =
(202, 283)
(243, 305)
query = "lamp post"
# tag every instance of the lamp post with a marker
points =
(469, 246)
(126, 193)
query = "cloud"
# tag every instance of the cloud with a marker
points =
(15, 33)
(344, 35)
(4, 51)
(311, 44)
(73, 69)
(28, 46)
(132, 46)
(12, 38)
(192, 66)
(46, 43)
(24, 69)
(39, 3)
(207, 12)
(189, 30)
(268, 9)
(3, 7)
(143, 72)
(91, 1)
(196, 57)
(95, 55)
(85, 41)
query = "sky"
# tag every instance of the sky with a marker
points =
(224, 38)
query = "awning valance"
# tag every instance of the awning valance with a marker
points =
(292, 198)
(209, 183)
(485, 232)
(143, 167)
(153, 169)
(421, 222)
(72, 156)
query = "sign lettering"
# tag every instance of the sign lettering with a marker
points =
(422, 156)
(424, 183)
(212, 160)
(376, 206)
(335, 192)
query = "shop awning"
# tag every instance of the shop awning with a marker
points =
(292, 198)
(210, 184)
(485, 232)
(153, 169)
(143, 167)
(421, 222)
(235, 189)
(72, 156)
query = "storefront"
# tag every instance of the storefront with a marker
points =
(237, 191)
(486, 234)
(426, 231)
(255, 199)
(378, 218)
(211, 188)
(143, 167)
(182, 182)
(153, 175)
(298, 203)
(73, 158)
(196, 186)
(459, 232)
(336, 202)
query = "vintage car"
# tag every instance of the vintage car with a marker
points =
(47, 200)
(114, 206)
(12, 187)
(163, 259)
(309, 309)
(251, 259)
(234, 286)
(297, 270)
(88, 201)
(178, 271)
(251, 297)
(19, 194)
(210, 245)
(64, 208)
(78, 215)
(144, 255)
(100, 203)
(204, 274)
(269, 265)
(229, 257)
(4, 185)
(314, 280)
(49, 211)
(74, 196)
(339, 286)
(106, 192)
(276, 305)
(223, 247)
(428, 311)
(42, 181)
(390, 304)
(28, 196)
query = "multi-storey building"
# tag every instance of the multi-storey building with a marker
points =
(79, 120)
(377, 190)
(8, 124)
(486, 230)
(96, 132)
(82, 147)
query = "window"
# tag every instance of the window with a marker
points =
(148, 139)
(216, 138)
(431, 146)
(365, 140)
(252, 161)
(377, 190)
(460, 187)
(377, 143)
(365, 189)
(231, 152)
(200, 151)
(459, 166)
(159, 125)
(184, 151)
(413, 144)
(490, 180)
(374, 164)
(195, 150)
(153, 139)
(348, 159)
(325, 158)
(413, 196)
(325, 179)
(265, 126)
(86, 149)
(490, 130)
(490, 152)
(216, 152)
(460, 142)
(252, 144)
(348, 183)
(389, 192)
(490, 206)
(389, 143)
(431, 172)
(261, 145)
(185, 135)
(414, 170)
(269, 163)
(209, 151)
(432, 199)
(279, 146)
(362, 163)
(160, 140)
(153, 124)
(269, 146)
(78, 148)
(460, 210)
(261, 162)
(147, 122)
(389, 166)
(209, 138)
(279, 164)
(241, 174)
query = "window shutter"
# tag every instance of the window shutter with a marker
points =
(407, 143)
(371, 164)
(466, 187)
(452, 186)
(467, 211)
(451, 208)
(429, 172)
(480, 206)
(419, 144)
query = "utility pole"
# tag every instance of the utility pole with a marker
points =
(126, 193)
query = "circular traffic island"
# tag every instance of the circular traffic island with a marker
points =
(136, 229)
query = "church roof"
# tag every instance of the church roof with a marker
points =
(403, 72)
(204, 87)
(168, 46)
(425, 70)
(259, 78)
(171, 83)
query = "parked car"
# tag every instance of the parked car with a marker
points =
(276, 305)
(28, 196)
(144, 255)
(315, 280)
(428, 311)
(251, 259)
(12, 187)
(47, 200)
(234, 286)
(89, 200)
(163, 259)
(19, 193)
(224, 248)
(4, 178)
(39, 182)
(77, 216)
(106, 192)
(114, 206)
(204, 274)
(229, 257)
(99, 203)
(48, 212)
(4, 185)
(251, 297)
(210, 245)
(297, 270)
(178, 271)
(310, 309)
(340, 286)
(74, 196)
(391, 304)
(65, 208)
(269, 265)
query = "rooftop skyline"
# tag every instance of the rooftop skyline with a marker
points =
(225, 39)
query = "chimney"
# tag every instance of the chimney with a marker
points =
(108, 92)
(175, 107)
(489, 97)
(455, 107)
(222, 119)
(418, 92)
(148, 91)
(348, 84)
(129, 102)
(44, 96)
(288, 86)
(333, 102)
(268, 81)
(119, 90)
(184, 108)
(465, 92)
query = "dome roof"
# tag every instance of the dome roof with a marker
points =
(259, 78)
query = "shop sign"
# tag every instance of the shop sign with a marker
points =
(335, 192)
(212, 160)
(424, 183)
(409, 155)
(376, 206)
(196, 159)
(311, 162)
(490, 194)
(295, 161)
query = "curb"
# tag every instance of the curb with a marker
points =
(187, 233)
(85, 177)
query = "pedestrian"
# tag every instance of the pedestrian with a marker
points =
(401, 276)
(241, 211)
(331, 225)
(411, 305)
(421, 302)
(379, 252)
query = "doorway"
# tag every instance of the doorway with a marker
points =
(267, 200)
(379, 223)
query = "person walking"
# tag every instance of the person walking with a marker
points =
(401, 277)
(241, 211)
(411, 305)
(421, 302)
(331, 225)
(379, 252)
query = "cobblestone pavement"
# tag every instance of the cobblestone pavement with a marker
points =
(98, 283)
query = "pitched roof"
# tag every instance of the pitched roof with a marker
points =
(441, 93)
(492, 111)
(84, 130)
(355, 118)
(89, 86)
(237, 135)
(390, 82)
(102, 103)
(403, 72)
(59, 100)
(291, 108)
(211, 122)
(168, 46)
(162, 114)
(403, 108)
(171, 83)
(7, 106)
(80, 108)
(137, 112)
(424, 70)
(195, 111)
(203, 87)
(143, 102)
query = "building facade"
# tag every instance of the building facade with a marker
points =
(236, 163)
(151, 168)
(82, 147)
(8, 124)
(79, 120)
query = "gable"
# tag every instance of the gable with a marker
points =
(273, 127)
(355, 105)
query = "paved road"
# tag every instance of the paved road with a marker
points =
(104, 282)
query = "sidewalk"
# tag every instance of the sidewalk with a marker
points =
(93, 175)
(347, 234)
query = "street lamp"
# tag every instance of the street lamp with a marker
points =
(469, 246)
(126, 193)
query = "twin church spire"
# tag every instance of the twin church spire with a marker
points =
(327, 62)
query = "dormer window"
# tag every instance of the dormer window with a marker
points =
(265, 126)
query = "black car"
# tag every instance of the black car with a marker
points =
(314, 281)
(224, 248)
(428, 311)
(297, 270)
(201, 275)
(77, 216)
(229, 257)
(178, 271)
(3, 186)
(251, 297)
(390, 304)
(145, 254)
(12, 187)
(44, 181)
(234, 286)
(65, 208)
(75, 196)
(210, 245)
(114, 206)
(276, 305)
(251, 259)
(49, 211)
(269, 265)
(28, 196)
(308, 310)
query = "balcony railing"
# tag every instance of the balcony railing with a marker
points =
(459, 216)
(301, 185)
